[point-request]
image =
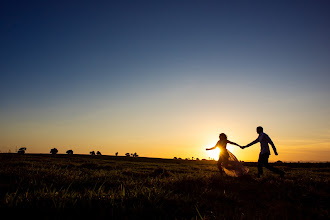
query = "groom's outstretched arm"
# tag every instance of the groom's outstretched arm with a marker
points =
(252, 143)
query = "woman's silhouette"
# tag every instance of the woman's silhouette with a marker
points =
(227, 162)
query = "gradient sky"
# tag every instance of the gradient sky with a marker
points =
(164, 78)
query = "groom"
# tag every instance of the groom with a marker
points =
(264, 139)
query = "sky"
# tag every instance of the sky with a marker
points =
(164, 78)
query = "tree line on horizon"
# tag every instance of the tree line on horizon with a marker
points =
(70, 152)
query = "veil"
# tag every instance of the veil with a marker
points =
(234, 168)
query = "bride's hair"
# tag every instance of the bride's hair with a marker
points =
(222, 136)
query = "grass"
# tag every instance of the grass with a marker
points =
(71, 187)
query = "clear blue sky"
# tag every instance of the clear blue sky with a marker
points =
(113, 73)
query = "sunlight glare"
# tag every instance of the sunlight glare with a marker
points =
(213, 154)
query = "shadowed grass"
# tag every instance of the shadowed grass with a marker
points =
(62, 186)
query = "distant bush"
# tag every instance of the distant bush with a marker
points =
(21, 150)
(53, 151)
(133, 155)
(69, 151)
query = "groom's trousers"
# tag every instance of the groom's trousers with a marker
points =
(263, 161)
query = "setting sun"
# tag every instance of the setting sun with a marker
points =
(214, 154)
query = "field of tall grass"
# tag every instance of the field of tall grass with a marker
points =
(76, 186)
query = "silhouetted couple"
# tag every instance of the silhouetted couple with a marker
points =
(229, 164)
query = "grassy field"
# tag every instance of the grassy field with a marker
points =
(99, 187)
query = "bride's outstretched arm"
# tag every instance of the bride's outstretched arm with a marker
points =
(212, 148)
(233, 143)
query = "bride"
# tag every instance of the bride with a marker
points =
(227, 162)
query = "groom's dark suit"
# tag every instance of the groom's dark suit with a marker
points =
(264, 140)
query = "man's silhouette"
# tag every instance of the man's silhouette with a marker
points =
(264, 140)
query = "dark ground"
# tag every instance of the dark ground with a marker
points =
(99, 187)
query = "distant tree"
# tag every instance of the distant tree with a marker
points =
(197, 158)
(192, 158)
(21, 150)
(92, 153)
(175, 158)
(53, 151)
(135, 155)
(279, 162)
(116, 154)
(127, 154)
(98, 153)
(180, 158)
(69, 152)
